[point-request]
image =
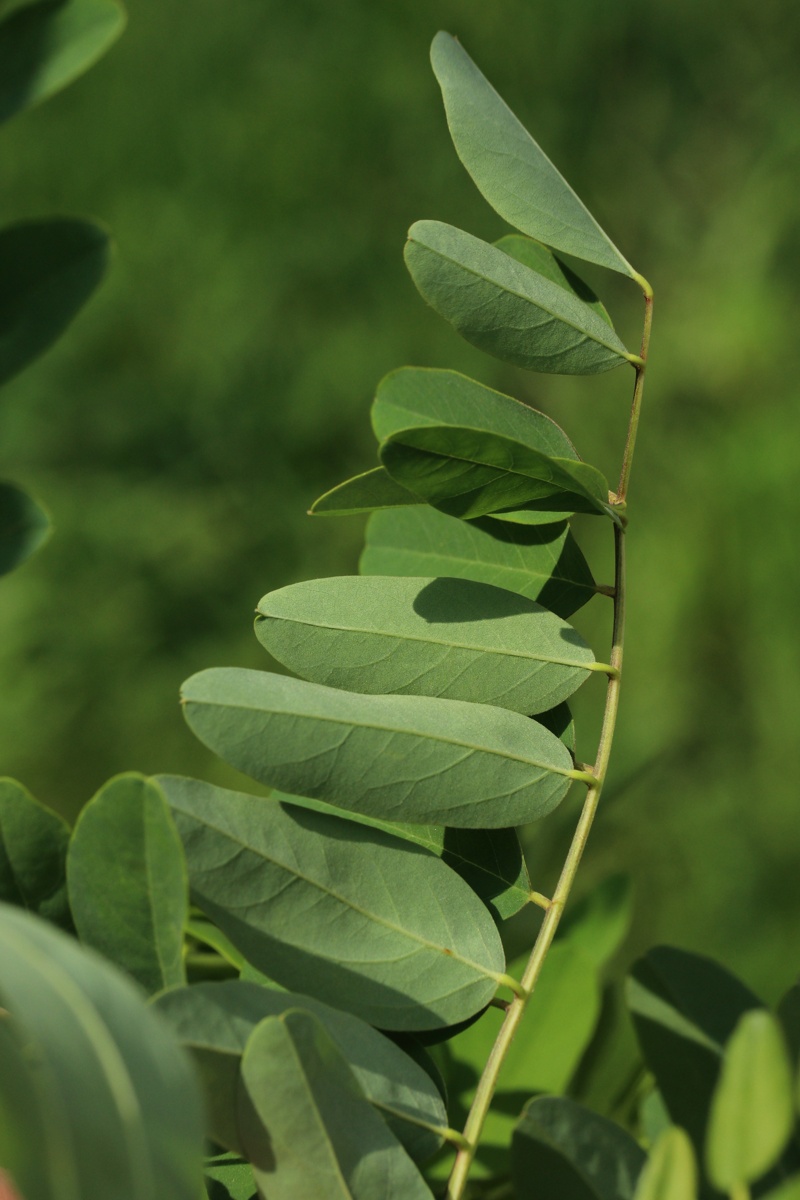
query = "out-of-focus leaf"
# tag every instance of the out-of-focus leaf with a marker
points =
(503, 307)
(229, 1177)
(790, 1190)
(789, 1016)
(48, 270)
(539, 258)
(128, 886)
(119, 1104)
(315, 903)
(44, 46)
(599, 922)
(24, 526)
(33, 852)
(752, 1109)
(408, 758)
(315, 1133)
(671, 1171)
(214, 1021)
(562, 1149)
(511, 171)
(544, 563)
(363, 493)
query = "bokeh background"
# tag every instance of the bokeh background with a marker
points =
(259, 162)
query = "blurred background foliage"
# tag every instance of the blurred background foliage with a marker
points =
(259, 162)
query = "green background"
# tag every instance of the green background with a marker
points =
(259, 164)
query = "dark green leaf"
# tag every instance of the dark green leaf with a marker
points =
(752, 1109)
(503, 307)
(314, 903)
(44, 46)
(48, 270)
(509, 168)
(408, 758)
(789, 1016)
(33, 852)
(363, 493)
(120, 1104)
(425, 637)
(537, 256)
(315, 1134)
(562, 1149)
(544, 563)
(128, 887)
(24, 526)
(214, 1021)
(671, 1171)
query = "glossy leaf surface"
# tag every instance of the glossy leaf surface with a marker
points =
(316, 1133)
(752, 1110)
(44, 46)
(48, 270)
(367, 492)
(120, 1104)
(336, 910)
(545, 563)
(425, 637)
(33, 852)
(671, 1171)
(539, 258)
(401, 758)
(24, 526)
(125, 846)
(509, 168)
(503, 307)
(215, 1020)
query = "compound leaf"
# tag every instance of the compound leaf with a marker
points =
(24, 526)
(33, 853)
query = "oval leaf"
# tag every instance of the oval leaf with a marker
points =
(511, 171)
(752, 1110)
(48, 271)
(127, 881)
(363, 493)
(503, 307)
(215, 1020)
(537, 256)
(43, 47)
(545, 563)
(33, 853)
(671, 1171)
(402, 758)
(342, 933)
(24, 526)
(315, 1133)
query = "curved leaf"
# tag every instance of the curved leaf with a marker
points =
(544, 563)
(503, 307)
(229, 1177)
(48, 270)
(44, 46)
(511, 171)
(33, 852)
(371, 490)
(316, 1134)
(24, 526)
(425, 637)
(401, 758)
(537, 256)
(127, 881)
(215, 1020)
(336, 910)
(671, 1171)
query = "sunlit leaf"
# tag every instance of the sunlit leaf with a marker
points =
(671, 1171)
(229, 1177)
(539, 258)
(372, 490)
(24, 526)
(33, 852)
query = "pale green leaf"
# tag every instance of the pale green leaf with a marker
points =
(363, 493)
(545, 563)
(33, 852)
(331, 908)
(537, 256)
(229, 1177)
(598, 923)
(790, 1190)
(407, 758)
(671, 1171)
(503, 307)
(509, 168)
(128, 888)
(24, 526)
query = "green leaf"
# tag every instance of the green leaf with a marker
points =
(537, 256)
(25, 1130)
(316, 1134)
(425, 637)
(789, 1016)
(671, 1171)
(44, 46)
(545, 563)
(315, 903)
(33, 852)
(562, 1149)
(489, 860)
(24, 526)
(509, 168)
(599, 922)
(119, 1103)
(229, 1177)
(752, 1109)
(215, 1020)
(408, 758)
(48, 270)
(363, 493)
(203, 931)
(503, 307)
(127, 881)
(790, 1190)
(469, 473)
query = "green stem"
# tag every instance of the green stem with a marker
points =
(638, 391)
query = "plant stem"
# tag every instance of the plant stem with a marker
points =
(554, 909)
